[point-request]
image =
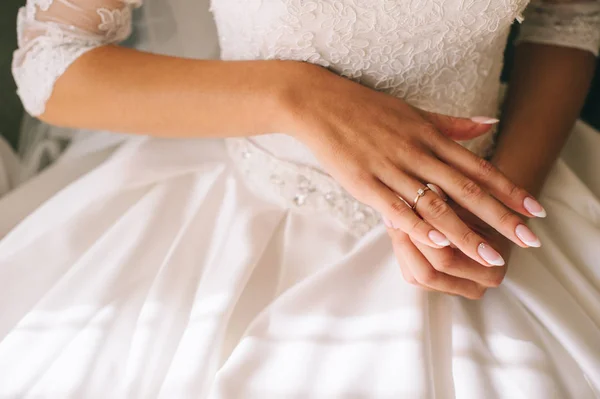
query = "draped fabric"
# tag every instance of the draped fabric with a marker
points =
(165, 276)
(137, 267)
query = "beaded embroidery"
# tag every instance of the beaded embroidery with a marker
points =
(299, 187)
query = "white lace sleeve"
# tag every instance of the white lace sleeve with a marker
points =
(54, 33)
(568, 23)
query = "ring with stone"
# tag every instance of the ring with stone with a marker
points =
(420, 194)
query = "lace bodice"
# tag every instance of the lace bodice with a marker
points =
(439, 55)
(442, 55)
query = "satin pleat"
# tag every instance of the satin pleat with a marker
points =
(159, 274)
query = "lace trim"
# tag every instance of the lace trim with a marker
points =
(299, 187)
(569, 25)
(34, 5)
(116, 24)
(43, 64)
(40, 62)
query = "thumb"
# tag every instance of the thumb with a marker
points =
(460, 128)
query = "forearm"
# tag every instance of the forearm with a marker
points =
(124, 90)
(546, 93)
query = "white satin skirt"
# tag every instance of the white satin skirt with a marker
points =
(151, 269)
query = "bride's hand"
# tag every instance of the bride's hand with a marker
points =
(378, 147)
(448, 270)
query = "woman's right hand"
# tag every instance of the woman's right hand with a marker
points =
(378, 148)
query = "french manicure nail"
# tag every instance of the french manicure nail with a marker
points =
(438, 238)
(527, 236)
(387, 222)
(485, 120)
(490, 255)
(534, 207)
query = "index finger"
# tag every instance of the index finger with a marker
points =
(454, 263)
(424, 273)
(489, 177)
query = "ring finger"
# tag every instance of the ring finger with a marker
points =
(454, 263)
(397, 214)
(437, 213)
(476, 200)
(425, 275)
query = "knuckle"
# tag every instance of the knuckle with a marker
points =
(495, 280)
(407, 147)
(471, 190)
(445, 265)
(450, 121)
(397, 242)
(445, 262)
(400, 241)
(416, 227)
(485, 169)
(418, 156)
(408, 277)
(469, 236)
(381, 163)
(509, 218)
(411, 280)
(400, 209)
(513, 190)
(360, 183)
(428, 277)
(406, 144)
(428, 130)
(437, 208)
(360, 176)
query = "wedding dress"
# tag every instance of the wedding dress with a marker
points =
(239, 269)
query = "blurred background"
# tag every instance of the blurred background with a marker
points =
(10, 107)
(11, 111)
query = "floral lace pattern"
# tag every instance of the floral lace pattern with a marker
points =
(115, 23)
(571, 25)
(43, 5)
(439, 55)
(50, 41)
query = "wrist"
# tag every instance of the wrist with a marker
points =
(521, 166)
(294, 92)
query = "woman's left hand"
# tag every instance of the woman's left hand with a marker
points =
(448, 270)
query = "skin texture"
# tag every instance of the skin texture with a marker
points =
(547, 91)
(377, 146)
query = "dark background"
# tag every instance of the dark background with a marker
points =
(11, 111)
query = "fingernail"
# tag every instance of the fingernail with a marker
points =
(534, 207)
(438, 238)
(490, 255)
(485, 120)
(387, 222)
(527, 236)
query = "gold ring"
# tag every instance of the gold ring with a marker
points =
(420, 193)
(405, 201)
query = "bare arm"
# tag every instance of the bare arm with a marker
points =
(547, 90)
(70, 72)
(553, 70)
(125, 90)
(377, 147)
(552, 74)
